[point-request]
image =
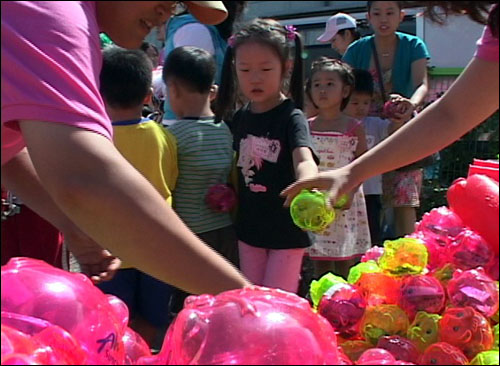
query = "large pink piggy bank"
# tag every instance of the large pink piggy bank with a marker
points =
(251, 326)
(36, 339)
(33, 287)
(475, 200)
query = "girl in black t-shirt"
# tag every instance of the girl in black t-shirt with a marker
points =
(271, 137)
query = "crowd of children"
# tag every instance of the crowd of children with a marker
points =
(268, 141)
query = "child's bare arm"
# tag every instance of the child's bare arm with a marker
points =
(112, 202)
(303, 163)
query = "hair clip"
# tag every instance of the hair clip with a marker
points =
(231, 41)
(291, 32)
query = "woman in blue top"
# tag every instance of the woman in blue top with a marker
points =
(403, 69)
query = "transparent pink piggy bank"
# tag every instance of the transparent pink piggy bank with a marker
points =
(251, 326)
(70, 301)
(469, 250)
(437, 229)
(476, 289)
(31, 340)
(343, 305)
(421, 293)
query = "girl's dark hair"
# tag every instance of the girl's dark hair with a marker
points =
(234, 11)
(274, 35)
(476, 10)
(369, 4)
(354, 32)
(332, 65)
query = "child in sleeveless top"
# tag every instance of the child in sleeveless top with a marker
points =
(338, 139)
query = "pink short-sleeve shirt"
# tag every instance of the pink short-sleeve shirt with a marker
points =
(51, 60)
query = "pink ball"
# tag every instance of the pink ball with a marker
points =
(221, 198)
(68, 300)
(475, 289)
(248, 326)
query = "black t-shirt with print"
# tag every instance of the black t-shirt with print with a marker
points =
(264, 143)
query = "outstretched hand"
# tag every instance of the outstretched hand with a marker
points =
(95, 262)
(334, 182)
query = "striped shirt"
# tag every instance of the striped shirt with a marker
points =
(205, 156)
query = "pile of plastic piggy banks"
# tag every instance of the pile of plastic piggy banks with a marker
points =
(430, 298)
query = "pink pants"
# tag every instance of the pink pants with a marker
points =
(275, 268)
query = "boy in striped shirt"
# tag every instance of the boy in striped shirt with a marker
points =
(204, 148)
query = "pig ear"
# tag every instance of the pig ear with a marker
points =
(120, 310)
(189, 336)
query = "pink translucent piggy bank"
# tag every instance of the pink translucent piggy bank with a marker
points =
(251, 326)
(474, 288)
(401, 348)
(443, 353)
(469, 250)
(221, 198)
(372, 254)
(437, 229)
(135, 347)
(343, 306)
(466, 329)
(38, 341)
(376, 356)
(70, 301)
(441, 224)
(421, 293)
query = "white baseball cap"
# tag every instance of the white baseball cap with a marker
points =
(335, 24)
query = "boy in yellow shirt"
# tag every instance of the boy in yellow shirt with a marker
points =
(125, 87)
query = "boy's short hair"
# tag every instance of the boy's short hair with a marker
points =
(363, 82)
(193, 67)
(126, 77)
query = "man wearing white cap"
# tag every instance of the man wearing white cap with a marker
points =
(340, 31)
(57, 147)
